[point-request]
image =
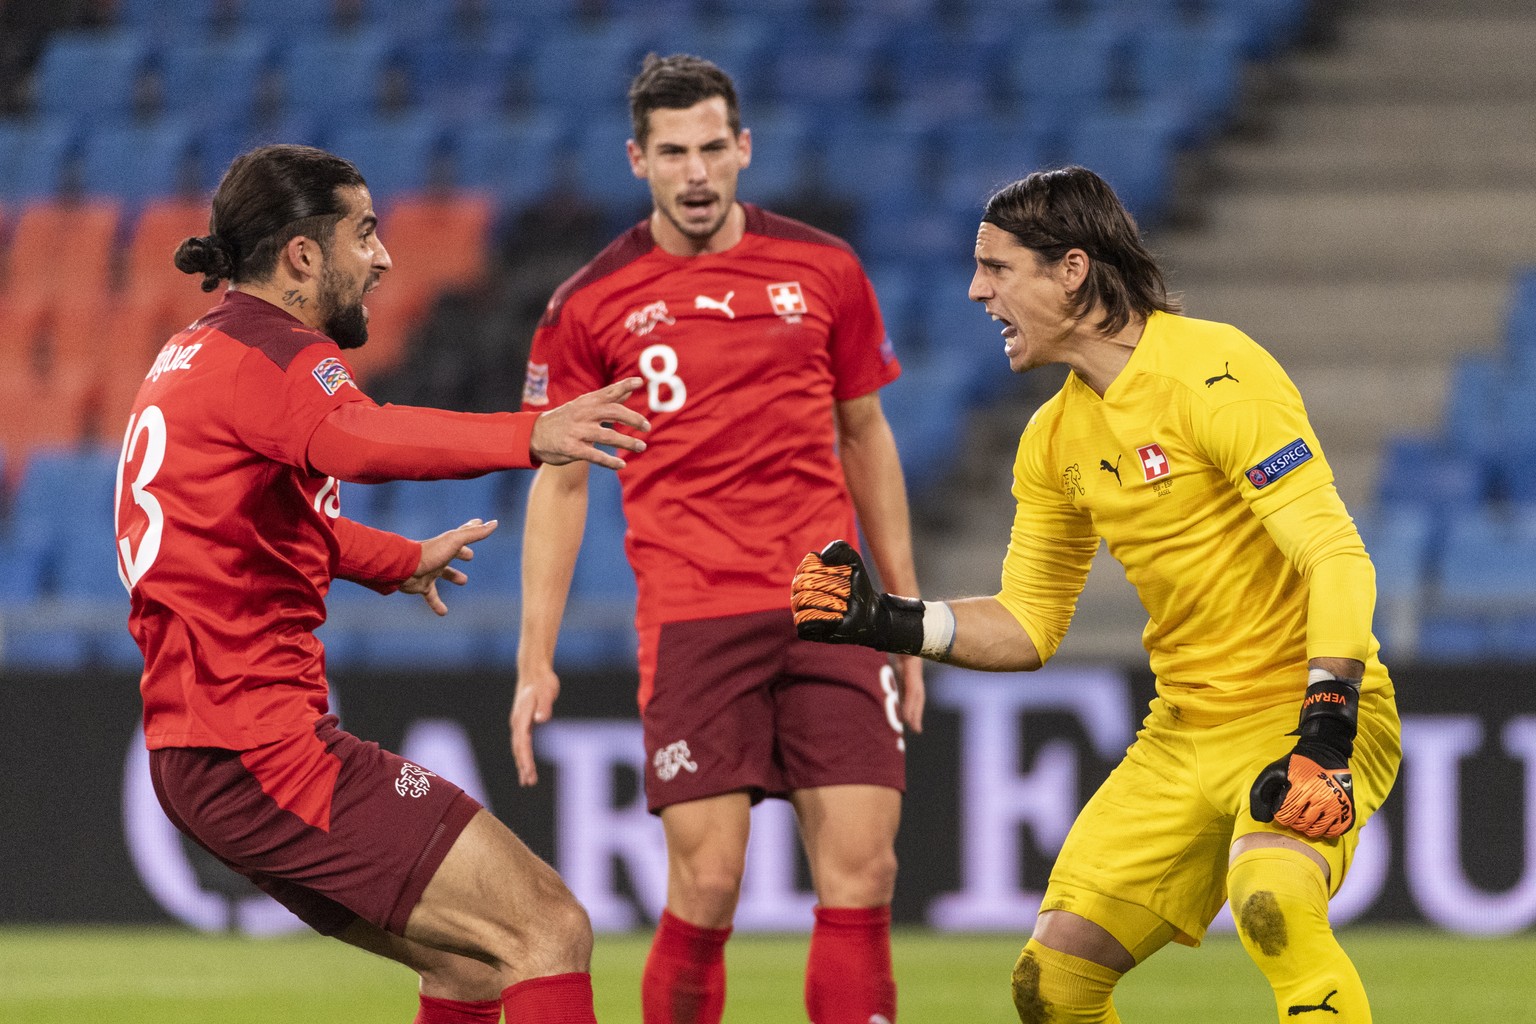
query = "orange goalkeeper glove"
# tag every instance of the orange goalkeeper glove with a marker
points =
(835, 603)
(1311, 790)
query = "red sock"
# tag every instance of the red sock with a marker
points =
(684, 979)
(458, 1011)
(848, 978)
(553, 999)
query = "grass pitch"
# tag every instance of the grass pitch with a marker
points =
(170, 976)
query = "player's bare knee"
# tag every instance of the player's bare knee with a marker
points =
(868, 881)
(710, 887)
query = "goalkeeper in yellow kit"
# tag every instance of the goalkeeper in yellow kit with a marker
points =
(1274, 735)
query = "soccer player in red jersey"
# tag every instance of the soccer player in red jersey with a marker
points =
(763, 350)
(229, 532)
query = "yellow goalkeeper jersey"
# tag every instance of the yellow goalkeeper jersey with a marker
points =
(1198, 467)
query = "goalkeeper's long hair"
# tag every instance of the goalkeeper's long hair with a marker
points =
(1052, 212)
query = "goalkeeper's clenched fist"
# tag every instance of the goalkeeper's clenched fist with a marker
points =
(1311, 790)
(835, 603)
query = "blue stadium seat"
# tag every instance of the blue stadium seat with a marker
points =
(1132, 149)
(143, 160)
(218, 79)
(172, 19)
(471, 77)
(1196, 65)
(397, 155)
(1474, 397)
(926, 407)
(597, 628)
(981, 154)
(311, 15)
(958, 329)
(1072, 65)
(603, 174)
(1401, 542)
(515, 159)
(842, 161)
(746, 49)
(1520, 318)
(35, 158)
(896, 289)
(830, 74)
(353, 70)
(1487, 559)
(586, 71)
(94, 76)
(1418, 470)
(781, 144)
(938, 72)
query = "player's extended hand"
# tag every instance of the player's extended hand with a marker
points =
(1310, 790)
(537, 690)
(574, 430)
(437, 555)
(835, 603)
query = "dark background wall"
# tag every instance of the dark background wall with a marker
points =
(1003, 765)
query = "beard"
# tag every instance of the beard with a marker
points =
(345, 320)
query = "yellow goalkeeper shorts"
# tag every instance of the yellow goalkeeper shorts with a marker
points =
(1158, 831)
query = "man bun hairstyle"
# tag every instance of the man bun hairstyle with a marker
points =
(677, 83)
(268, 196)
(1052, 212)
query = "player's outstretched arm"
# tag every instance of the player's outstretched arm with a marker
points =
(574, 430)
(834, 602)
(437, 556)
(1311, 790)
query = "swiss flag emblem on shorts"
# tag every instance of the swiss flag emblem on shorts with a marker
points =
(1154, 464)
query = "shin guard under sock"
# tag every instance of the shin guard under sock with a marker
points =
(458, 1011)
(1280, 902)
(553, 999)
(1051, 987)
(848, 976)
(684, 981)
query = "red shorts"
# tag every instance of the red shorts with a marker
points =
(742, 703)
(331, 827)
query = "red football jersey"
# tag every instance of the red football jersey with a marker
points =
(743, 353)
(226, 540)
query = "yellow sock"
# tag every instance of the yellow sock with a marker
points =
(1280, 903)
(1054, 987)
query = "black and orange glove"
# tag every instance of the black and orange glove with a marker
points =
(835, 603)
(1311, 790)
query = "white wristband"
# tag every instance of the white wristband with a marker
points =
(938, 630)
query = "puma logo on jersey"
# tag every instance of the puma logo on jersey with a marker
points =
(673, 758)
(1115, 469)
(722, 305)
(1226, 374)
(1296, 1011)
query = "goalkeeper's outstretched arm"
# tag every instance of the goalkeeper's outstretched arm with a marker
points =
(834, 602)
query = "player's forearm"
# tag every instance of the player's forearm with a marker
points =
(989, 638)
(552, 531)
(365, 443)
(872, 468)
(374, 558)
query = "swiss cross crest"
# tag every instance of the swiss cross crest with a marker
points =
(1154, 464)
(787, 298)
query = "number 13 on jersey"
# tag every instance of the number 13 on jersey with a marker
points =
(149, 427)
